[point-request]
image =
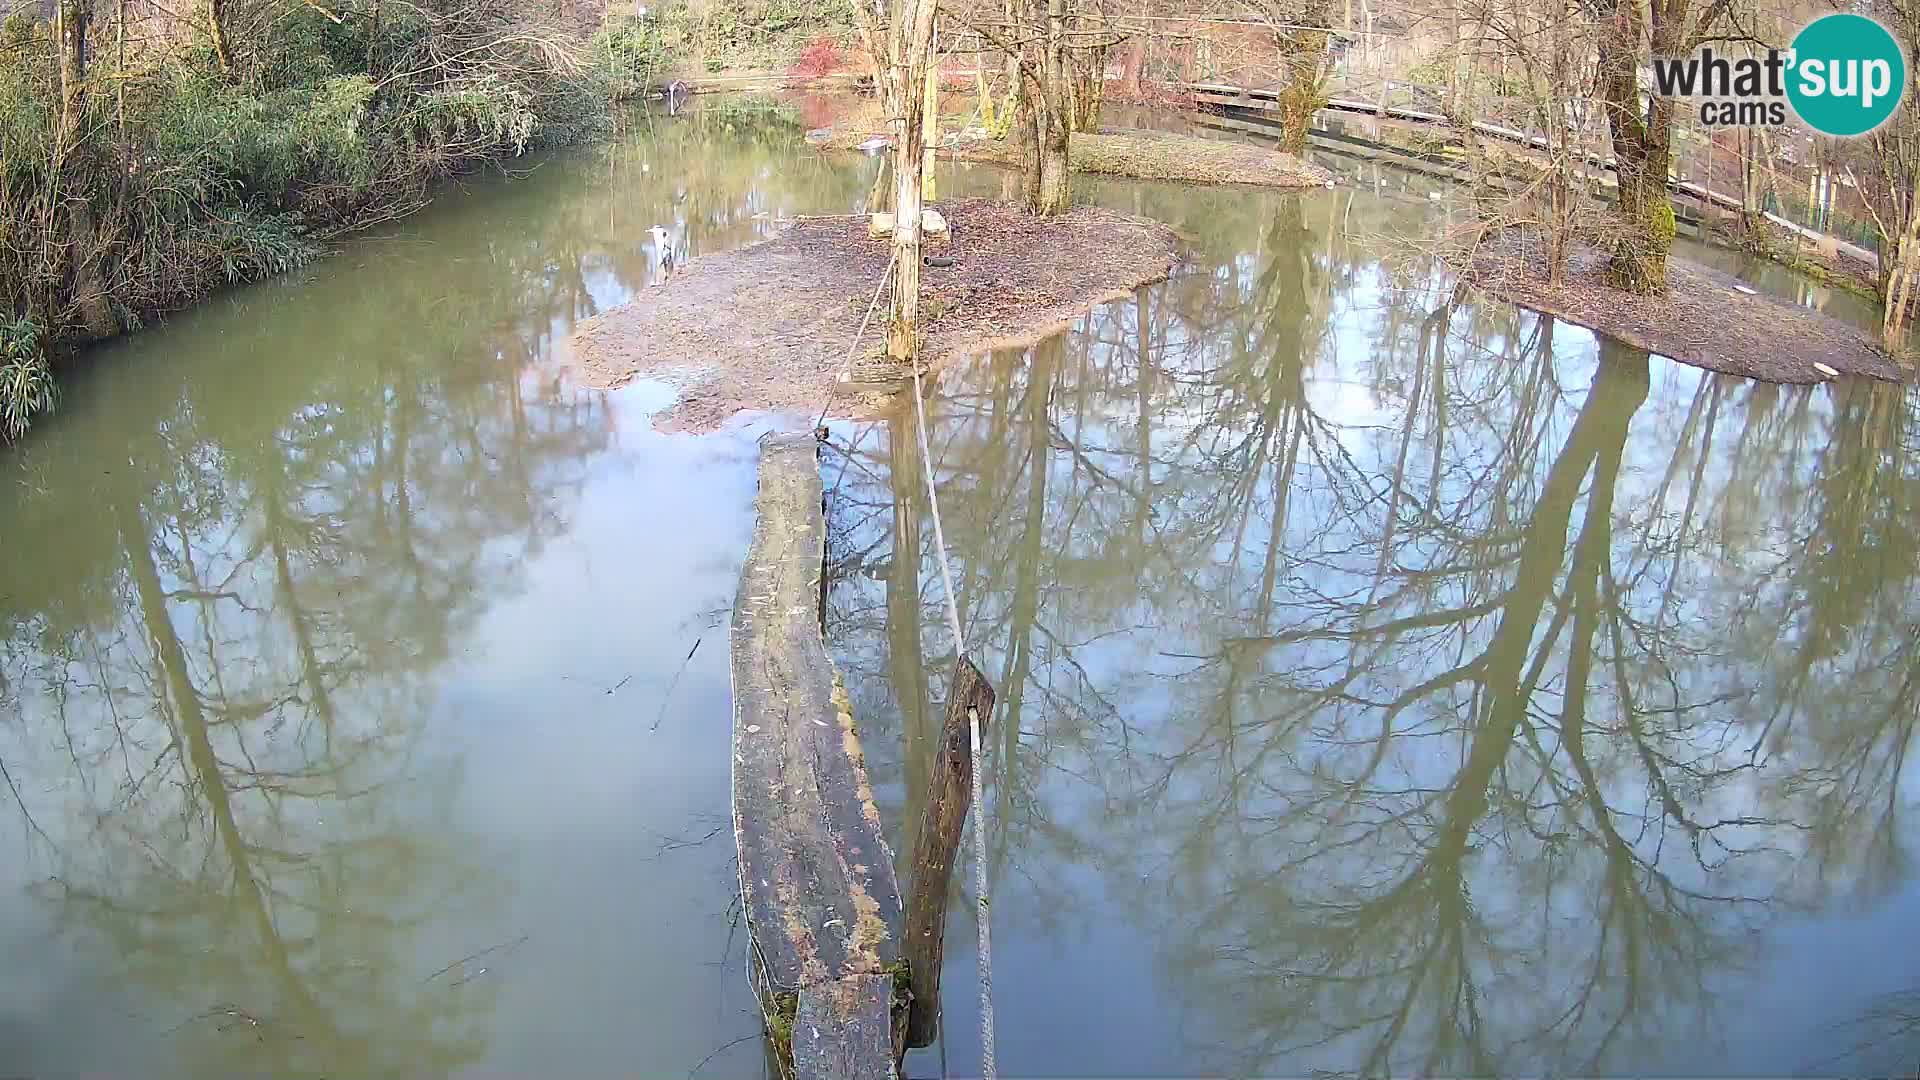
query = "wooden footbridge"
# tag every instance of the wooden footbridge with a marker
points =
(1254, 110)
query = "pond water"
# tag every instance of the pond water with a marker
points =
(1393, 684)
(1390, 683)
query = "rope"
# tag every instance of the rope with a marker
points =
(846, 369)
(988, 1068)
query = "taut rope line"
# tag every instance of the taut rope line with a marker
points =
(846, 369)
(988, 1069)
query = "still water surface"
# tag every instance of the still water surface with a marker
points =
(1398, 685)
(345, 721)
(1391, 683)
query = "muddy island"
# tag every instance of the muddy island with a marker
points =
(1704, 317)
(1135, 155)
(771, 326)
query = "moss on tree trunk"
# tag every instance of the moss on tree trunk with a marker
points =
(1639, 258)
(1054, 194)
(1643, 155)
(1298, 102)
(1304, 52)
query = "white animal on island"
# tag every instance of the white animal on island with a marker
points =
(662, 251)
(932, 224)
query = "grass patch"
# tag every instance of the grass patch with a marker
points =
(1180, 157)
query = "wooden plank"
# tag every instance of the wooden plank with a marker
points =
(845, 1028)
(816, 875)
(949, 795)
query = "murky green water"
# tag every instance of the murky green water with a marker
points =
(1389, 685)
(1399, 685)
(346, 730)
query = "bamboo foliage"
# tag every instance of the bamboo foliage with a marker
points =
(152, 155)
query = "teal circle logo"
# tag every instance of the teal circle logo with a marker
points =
(1848, 75)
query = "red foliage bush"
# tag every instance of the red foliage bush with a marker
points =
(817, 110)
(820, 57)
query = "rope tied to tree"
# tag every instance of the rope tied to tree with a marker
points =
(989, 1068)
(846, 368)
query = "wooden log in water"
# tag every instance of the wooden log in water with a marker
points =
(949, 795)
(816, 875)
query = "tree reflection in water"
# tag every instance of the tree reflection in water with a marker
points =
(244, 561)
(1434, 692)
(244, 813)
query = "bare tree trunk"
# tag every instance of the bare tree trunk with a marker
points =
(1750, 208)
(1014, 16)
(70, 56)
(69, 175)
(1466, 104)
(930, 122)
(1024, 132)
(878, 37)
(1643, 152)
(904, 331)
(217, 32)
(880, 196)
(1026, 143)
(1090, 77)
(1900, 285)
(1452, 100)
(1055, 193)
(373, 41)
(1561, 198)
(1707, 133)
(1042, 100)
(912, 46)
(120, 66)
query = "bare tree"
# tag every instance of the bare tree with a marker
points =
(1303, 37)
(1628, 34)
(902, 33)
(1049, 62)
(1891, 190)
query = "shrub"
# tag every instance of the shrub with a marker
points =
(821, 57)
(26, 383)
(197, 179)
(629, 53)
(203, 134)
(193, 175)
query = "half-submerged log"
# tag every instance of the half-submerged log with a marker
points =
(816, 876)
(949, 794)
